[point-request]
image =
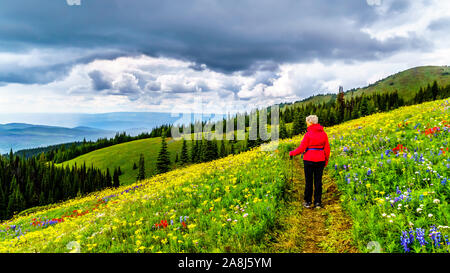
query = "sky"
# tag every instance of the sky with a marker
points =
(97, 56)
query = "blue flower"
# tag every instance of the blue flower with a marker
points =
(420, 236)
(405, 240)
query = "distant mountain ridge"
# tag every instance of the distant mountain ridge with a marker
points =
(19, 136)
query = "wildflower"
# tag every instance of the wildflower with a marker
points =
(420, 236)
(405, 241)
(436, 201)
(435, 236)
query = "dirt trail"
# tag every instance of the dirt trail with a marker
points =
(313, 230)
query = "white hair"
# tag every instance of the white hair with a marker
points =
(313, 119)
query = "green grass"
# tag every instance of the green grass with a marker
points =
(125, 154)
(407, 83)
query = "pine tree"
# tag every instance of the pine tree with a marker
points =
(141, 172)
(299, 125)
(364, 107)
(184, 152)
(283, 130)
(16, 201)
(434, 90)
(108, 178)
(163, 161)
(116, 182)
(223, 151)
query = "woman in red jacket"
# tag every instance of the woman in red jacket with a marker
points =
(316, 152)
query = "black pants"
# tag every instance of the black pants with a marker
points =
(313, 176)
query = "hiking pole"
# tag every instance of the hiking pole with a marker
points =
(292, 171)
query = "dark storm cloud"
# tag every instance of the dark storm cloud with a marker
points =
(99, 82)
(226, 36)
(45, 70)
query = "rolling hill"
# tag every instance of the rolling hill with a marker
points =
(125, 154)
(407, 83)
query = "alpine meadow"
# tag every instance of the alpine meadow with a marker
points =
(225, 135)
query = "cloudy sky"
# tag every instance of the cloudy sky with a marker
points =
(90, 56)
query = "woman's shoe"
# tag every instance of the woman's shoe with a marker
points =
(307, 204)
(317, 205)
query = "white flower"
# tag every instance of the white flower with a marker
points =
(419, 210)
(391, 221)
(430, 215)
(393, 215)
(436, 201)
(384, 214)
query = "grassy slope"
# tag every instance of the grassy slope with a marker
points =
(207, 193)
(125, 154)
(407, 83)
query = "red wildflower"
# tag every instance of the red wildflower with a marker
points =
(399, 147)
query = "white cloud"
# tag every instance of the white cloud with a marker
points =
(412, 22)
(73, 2)
(373, 2)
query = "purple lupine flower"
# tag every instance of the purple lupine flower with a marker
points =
(435, 236)
(369, 172)
(420, 236)
(405, 241)
(411, 235)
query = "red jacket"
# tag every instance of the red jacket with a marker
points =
(315, 137)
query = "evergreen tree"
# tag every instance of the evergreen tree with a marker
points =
(141, 172)
(223, 151)
(184, 152)
(364, 107)
(116, 182)
(163, 161)
(299, 125)
(434, 90)
(283, 130)
(16, 202)
(108, 179)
